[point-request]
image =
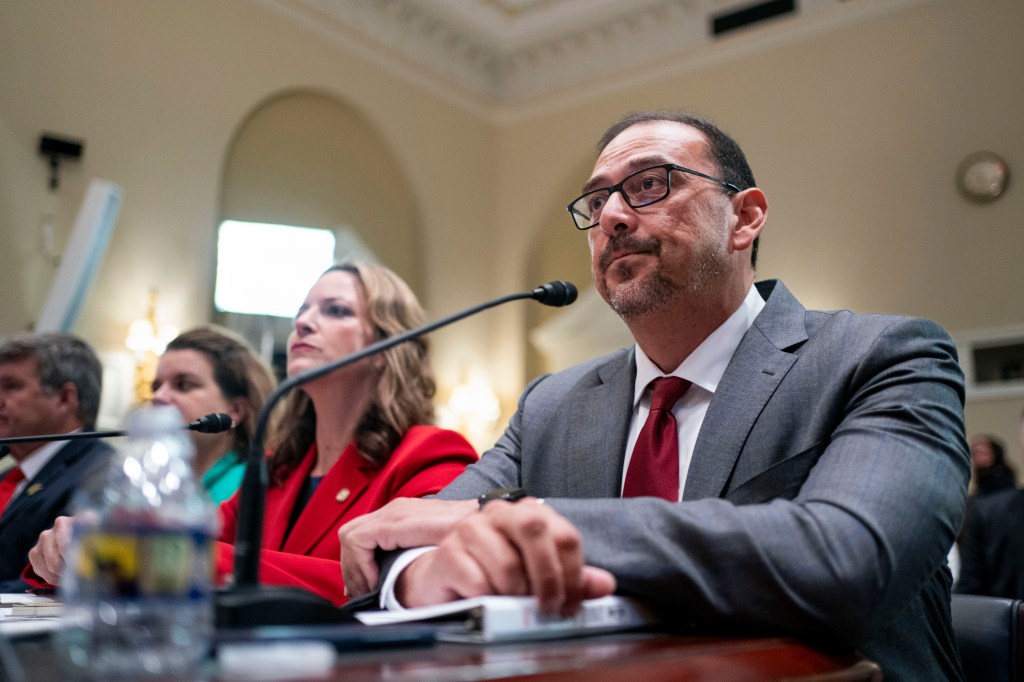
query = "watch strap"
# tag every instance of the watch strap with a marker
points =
(507, 494)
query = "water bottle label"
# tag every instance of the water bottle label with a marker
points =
(135, 564)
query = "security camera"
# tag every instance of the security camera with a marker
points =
(56, 149)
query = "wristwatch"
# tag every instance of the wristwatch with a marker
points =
(507, 494)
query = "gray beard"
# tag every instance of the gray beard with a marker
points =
(637, 297)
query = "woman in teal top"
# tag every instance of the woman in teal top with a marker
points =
(207, 370)
(223, 478)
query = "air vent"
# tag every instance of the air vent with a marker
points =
(724, 23)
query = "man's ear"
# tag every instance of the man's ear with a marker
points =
(750, 213)
(67, 399)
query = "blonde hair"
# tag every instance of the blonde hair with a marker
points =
(401, 397)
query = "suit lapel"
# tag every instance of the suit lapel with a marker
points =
(280, 504)
(338, 491)
(597, 442)
(50, 473)
(760, 363)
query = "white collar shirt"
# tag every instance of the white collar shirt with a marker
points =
(704, 368)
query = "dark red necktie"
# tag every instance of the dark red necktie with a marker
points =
(7, 485)
(654, 466)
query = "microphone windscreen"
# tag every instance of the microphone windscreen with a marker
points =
(211, 423)
(557, 293)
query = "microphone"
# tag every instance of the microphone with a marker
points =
(556, 294)
(218, 422)
(211, 423)
(245, 603)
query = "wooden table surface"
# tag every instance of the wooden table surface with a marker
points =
(622, 657)
(619, 657)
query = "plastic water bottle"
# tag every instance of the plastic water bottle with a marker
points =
(137, 588)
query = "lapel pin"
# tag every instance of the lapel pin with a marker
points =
(343, 494)
(34, 488)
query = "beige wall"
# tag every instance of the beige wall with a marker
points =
(854, 132)
(158, 90)
(305, 158)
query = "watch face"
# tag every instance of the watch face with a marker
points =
(982, 176)
(508, 494)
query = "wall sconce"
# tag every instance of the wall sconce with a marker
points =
(472, 409)
(147, 341)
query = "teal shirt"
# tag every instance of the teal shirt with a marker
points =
(223, 478)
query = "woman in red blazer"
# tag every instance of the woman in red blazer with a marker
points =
(351, 441)
(346, 444)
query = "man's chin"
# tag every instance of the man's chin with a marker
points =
(638, 297)
(620, 274)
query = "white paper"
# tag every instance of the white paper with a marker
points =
(495, 619)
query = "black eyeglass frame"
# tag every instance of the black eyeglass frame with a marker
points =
(617, 187)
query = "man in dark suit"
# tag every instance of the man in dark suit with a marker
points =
(992, 544)
(819, 465)
(49, 383)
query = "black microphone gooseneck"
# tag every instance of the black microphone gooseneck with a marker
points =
(237, 606)
(211, 423)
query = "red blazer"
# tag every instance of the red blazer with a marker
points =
(426, 460)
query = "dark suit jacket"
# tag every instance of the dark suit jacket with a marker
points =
(992, 548)
(826, 485)
(47, 496)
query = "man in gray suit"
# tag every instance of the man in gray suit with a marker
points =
(822, 465)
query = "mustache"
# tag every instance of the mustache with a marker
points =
(626, 242)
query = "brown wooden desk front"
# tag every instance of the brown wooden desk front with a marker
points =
(625, 657)
(622, 657)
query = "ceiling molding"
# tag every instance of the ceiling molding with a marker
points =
(503, 59)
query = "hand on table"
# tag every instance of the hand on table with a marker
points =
(402, 523)
(47, 556)
(524, 548)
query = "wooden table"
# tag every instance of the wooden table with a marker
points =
(629, 657)
(621, 657)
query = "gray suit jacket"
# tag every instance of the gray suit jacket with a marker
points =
(826, 486)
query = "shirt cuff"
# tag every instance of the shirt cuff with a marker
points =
(388, 600)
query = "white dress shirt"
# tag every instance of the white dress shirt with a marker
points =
(704, 368)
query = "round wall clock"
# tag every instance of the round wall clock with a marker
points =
(982, 176)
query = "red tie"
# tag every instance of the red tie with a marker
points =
(7, 485)
(654, 466)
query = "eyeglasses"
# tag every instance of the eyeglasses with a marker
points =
(642, 188)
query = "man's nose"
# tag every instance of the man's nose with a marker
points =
(616, 215)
